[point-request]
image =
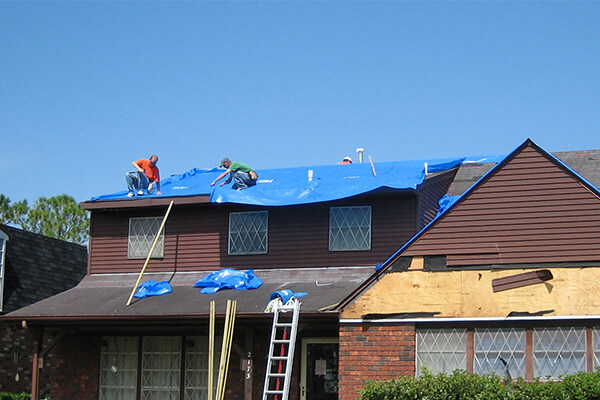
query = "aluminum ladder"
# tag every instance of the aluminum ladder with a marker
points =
(281, 350)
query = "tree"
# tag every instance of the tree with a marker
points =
(59, 217)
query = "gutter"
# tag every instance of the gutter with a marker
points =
(480, 319)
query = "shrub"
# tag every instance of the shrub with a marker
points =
(14, 396)
(462, 386)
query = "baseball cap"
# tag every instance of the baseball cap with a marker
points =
(223, 161)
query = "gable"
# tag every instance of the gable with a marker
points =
(531, 209)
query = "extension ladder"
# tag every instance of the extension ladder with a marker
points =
(281, 350)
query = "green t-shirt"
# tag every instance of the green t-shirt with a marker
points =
(238, 166)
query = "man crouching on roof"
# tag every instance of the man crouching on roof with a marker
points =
(144, 178)
(242, 174)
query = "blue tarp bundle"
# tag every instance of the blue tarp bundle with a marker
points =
(228, 279)
(290, 186)
(153, 288)
(286, 295)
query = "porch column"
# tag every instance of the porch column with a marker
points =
(35, 368)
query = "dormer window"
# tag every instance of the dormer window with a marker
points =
(350, 228)
(142, 232)
(248, 232)
(3, 240)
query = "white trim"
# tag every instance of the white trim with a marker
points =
(3, 241)
(480, 319)
(303, 359)
(3, 235)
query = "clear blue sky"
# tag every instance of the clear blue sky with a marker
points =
(88, 87)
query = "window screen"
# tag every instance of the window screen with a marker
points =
(248, 232)
(441, 350)
(142, 232)
(161, 368)
(118, 368)
(500, 351)
(350, 228)
(558, 351)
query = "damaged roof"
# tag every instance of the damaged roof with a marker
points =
(104, 296)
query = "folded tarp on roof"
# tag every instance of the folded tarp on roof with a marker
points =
(290, 186)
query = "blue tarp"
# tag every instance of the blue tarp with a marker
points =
(286, 295)
(153, 288)
(290, 186)
(228, 279)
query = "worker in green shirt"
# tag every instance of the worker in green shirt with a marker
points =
(242, 174)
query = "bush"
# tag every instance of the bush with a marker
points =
(14, 396)
(462, 386)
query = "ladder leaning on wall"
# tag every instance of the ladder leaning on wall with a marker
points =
(281, 349)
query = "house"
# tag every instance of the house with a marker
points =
(320, 230)
(32, 267)
(503, 280)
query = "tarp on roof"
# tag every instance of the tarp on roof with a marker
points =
(291, 186)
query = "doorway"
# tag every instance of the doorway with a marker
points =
(319, 369)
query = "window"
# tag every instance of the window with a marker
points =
(441, 350)
(142, 232)
(500, 351)
(163, 362)
(118, 368)
(596, 349)
(3, 240)
(558, 351)
(248, 232)
(350, 228)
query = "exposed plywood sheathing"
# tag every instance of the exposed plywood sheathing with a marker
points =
(469, 294)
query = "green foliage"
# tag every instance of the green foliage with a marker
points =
(462, 386)
(58, 217)
(14, 396)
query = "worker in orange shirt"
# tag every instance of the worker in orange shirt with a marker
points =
(346, 160)
(144, 178)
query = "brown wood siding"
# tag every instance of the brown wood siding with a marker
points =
(529, 211)
(430, 193)
(196, 237)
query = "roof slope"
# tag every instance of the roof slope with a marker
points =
(101, 297)
(37, 267)
(290, 186)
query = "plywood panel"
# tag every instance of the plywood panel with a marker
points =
(469, 294)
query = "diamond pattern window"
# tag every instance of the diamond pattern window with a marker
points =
(161, 368)
(118, 368)
(350, 228)
(248, 232)
(441, 350)
(596, 339)
(500, 351)
(142, 232)
(196, 367)
(558, 351)
(3, 240)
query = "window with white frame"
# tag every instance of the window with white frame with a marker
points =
(248, 232)
(596, 348)
(3, 240)
(500, 351)
(558, 351)
(350, 228)
(441, 350)
(142, 232)
(162, 367)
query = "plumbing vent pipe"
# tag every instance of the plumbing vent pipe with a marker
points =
(360, 152)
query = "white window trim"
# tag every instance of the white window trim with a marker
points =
(155, 253)
(4, 238)
(266, 250)
(370, 228)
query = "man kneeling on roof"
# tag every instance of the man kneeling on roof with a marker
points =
(242, 174)
(144, 178)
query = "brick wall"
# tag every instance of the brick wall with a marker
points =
(373, 352)
(76, 360)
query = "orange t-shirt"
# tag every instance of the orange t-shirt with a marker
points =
(151, 171)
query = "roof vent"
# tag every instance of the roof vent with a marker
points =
(360, 152)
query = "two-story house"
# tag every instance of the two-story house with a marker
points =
(320, 230)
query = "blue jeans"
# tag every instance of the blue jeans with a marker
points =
(136, 181)
(242, 180)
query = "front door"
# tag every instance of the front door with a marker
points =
(319, 373)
